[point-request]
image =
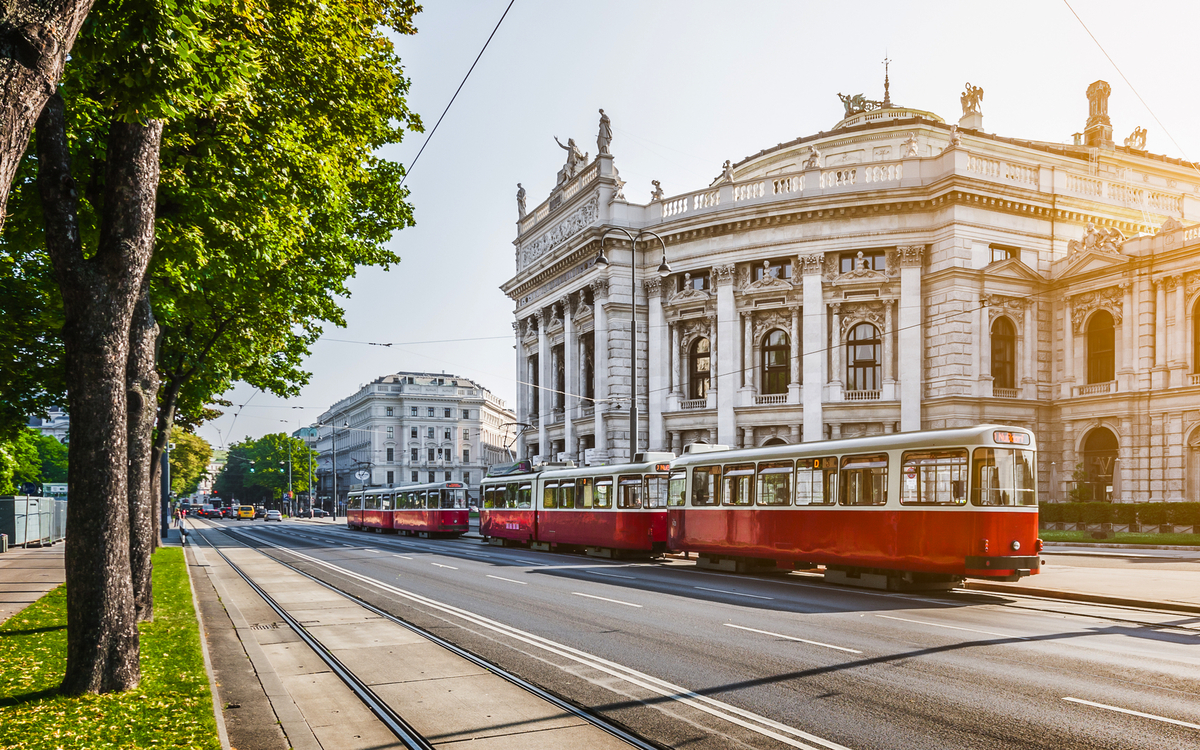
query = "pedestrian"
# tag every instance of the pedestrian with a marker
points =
(175, 517)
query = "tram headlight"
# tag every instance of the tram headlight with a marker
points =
(1016, 545)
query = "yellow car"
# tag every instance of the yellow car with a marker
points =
(245, 511)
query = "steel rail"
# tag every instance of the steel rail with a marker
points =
(576, 710)
(392, 720)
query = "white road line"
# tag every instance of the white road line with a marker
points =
(528, 562)
(757, 723)
(1131, 712)
(605, 599)
(402, 557)
(793, 638)
(955, 627)
(451, 567)
(373, 551)
(610, 575)
(498, 578)
(351, 546)
(734, 593)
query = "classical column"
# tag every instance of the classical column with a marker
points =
(889, 332)
(545, 379)
(984, 349)
(569, 384)
(727, 349)
(676, 359)
(1179, 339)
(748, 353)
(816, 337)
(600, 357)
(1029, 374)
(522, 390)
(838, 352)
(794, 383)
(658, 362)
(1068, 336)
(1128, 351)
(911, 336)
(1158, 377)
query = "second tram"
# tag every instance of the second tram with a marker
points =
(437, 509)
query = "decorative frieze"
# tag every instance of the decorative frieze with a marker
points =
(998, 304)
(1082, 305)
(576, 221)
(853, 313)
(769, 321)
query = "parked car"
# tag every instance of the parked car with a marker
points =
(274, 515)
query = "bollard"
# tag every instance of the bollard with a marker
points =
(3, 542)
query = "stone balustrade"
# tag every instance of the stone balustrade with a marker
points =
(771, 398)
(1006, 392)
(861, 395)
(693, 404)
(1093, 389)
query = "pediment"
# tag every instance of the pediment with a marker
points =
(768, 283)
(687, 295)
(1089, 261)
(1011, 268)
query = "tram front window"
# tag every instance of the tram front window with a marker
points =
(678, 491)
(1003, 476)
(454, 499)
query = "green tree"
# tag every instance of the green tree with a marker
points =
(53, 457)
(190, 455)
(257, 470)
(30, 457)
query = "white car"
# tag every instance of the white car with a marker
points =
(274, 515)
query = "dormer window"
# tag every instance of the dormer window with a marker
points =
(1004, 252)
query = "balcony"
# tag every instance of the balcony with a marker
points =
(1006, 392)
(1093, 389)
(861, 395)
(771, 398)
(692, 404)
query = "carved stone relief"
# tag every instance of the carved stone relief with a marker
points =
(769, 280)
(998, 304)
(911, 255)
(812, 263)
(1082, 305)
(766, 322)
(688, 292)
(654, 287)
(599, 288)
(724, 274)
(854, 313)
(579, 219)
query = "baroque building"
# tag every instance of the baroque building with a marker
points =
(893, 273)
(411, 428)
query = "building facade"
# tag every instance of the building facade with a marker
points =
(411, 427)
(893, 273)
(56, 424)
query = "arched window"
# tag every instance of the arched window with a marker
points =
(699, 369)
(1004, 354)
(776, 352)
(776, 441)
(862, 358)
(1196, 337)
(1100, 348)
(1099, 454)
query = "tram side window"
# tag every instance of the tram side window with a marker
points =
(525, 496)
(739, 484)
(864, 479)
(656, 492)
(566, 495)
(706, 485)
(935, 477)
(816, 481)
(584, 493)
(489, 497)
(631, 492)
(412, 500)
(510, 496)
(549, 495)
(775, 483)
(355, 502)
(388, 503)
(604, 489)
(677, 494)
(1000, 476)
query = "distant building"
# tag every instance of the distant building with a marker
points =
(412, 427)
(216, 465)
(892, 273)
(56, 424)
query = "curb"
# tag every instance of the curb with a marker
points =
(1080, 597)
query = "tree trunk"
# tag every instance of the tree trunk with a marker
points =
(99, 295)
(142, 384)
(35, 38)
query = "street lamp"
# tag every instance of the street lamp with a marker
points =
(333, 461)
(664, 270)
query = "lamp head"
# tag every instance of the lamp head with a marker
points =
(601, 259)
(664, 268)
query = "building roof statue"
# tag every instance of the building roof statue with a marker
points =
(656, 194)
(575, 159)
(1137, 139)
(971, 98)
(520, 201)
(814, 158)
(604, 136)
(909, 147)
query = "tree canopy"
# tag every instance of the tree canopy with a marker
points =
(190, 455)
(257, 470)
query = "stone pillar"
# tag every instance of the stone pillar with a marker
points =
(545, 378)
(522, 390)
(1158, 377)
(889, 355)
(1068, 337)
(746, 377)
(1179, 337)
(838, 352)
(1029, 352)
(727, 349)
(794, 382)
(676, 355)
(1124, 457)
(1128, 339)
(713, 371)
(816, 337)
(835, 431)
(795, 433)
(911, 336)
(1067, 470)
(569, 379)
(600, 357)
(986, 381)
(658, 352)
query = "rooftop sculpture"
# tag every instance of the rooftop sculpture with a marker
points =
(971, 98)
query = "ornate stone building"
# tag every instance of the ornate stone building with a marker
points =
(892, 273)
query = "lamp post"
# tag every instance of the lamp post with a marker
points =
(333, 439)
(664, 270)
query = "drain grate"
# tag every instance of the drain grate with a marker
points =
(272, 626)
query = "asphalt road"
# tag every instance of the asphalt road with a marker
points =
(696, 659)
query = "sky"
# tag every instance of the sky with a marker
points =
(688, 84)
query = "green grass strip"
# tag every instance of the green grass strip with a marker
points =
(1121, 537)
(171, 708)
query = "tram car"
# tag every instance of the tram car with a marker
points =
(902, 511)
(428, 510)
(606, 511)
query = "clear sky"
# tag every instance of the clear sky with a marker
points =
(689, 84)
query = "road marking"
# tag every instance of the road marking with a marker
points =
(793, 638)
(1131, 712)
(605, 599)
(402, 557)
(734, 593)
(351, 546)
(528, 562)
(498, 578)
(955, 627)
(373, 551)
(757, 723)
(451, 567)
(610, 575)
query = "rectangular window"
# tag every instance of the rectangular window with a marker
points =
(466, 455)
(566, 494)
(864, 479)
(431, 497)
(489, 496)
(389, 411)
(466, 434)
(780, 268)
(430, 450)
(584, 492)
(816, 481)
(1004, 252)
(656, 491)
(447, 476)
(391, 477)
(631, 492)
(1000, 476)
(430, 433)
(604, 490)
(466, 413)
(429, 410)
(414, 476)
(466, 477)
(413, 433)
(706, 485)
(391, 455)
(934, 477)
(412, 410)
(391, 433)
(431, 479)
(446, 435)
(550, 495)
(446, 413)
(524, 496)
(677, 494)
(738, 485)
(872, 260)
(775, 483)
(697, 280)
(412, 455)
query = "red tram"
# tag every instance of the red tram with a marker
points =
(899, 511)
(604, 510)
(437, 509)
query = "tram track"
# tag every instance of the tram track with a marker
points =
(395, 723)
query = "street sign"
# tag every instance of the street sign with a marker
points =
(362, 474)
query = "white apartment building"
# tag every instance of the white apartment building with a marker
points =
(412, 427)
(892, 273)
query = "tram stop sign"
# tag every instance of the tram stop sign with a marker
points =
(362, 475)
